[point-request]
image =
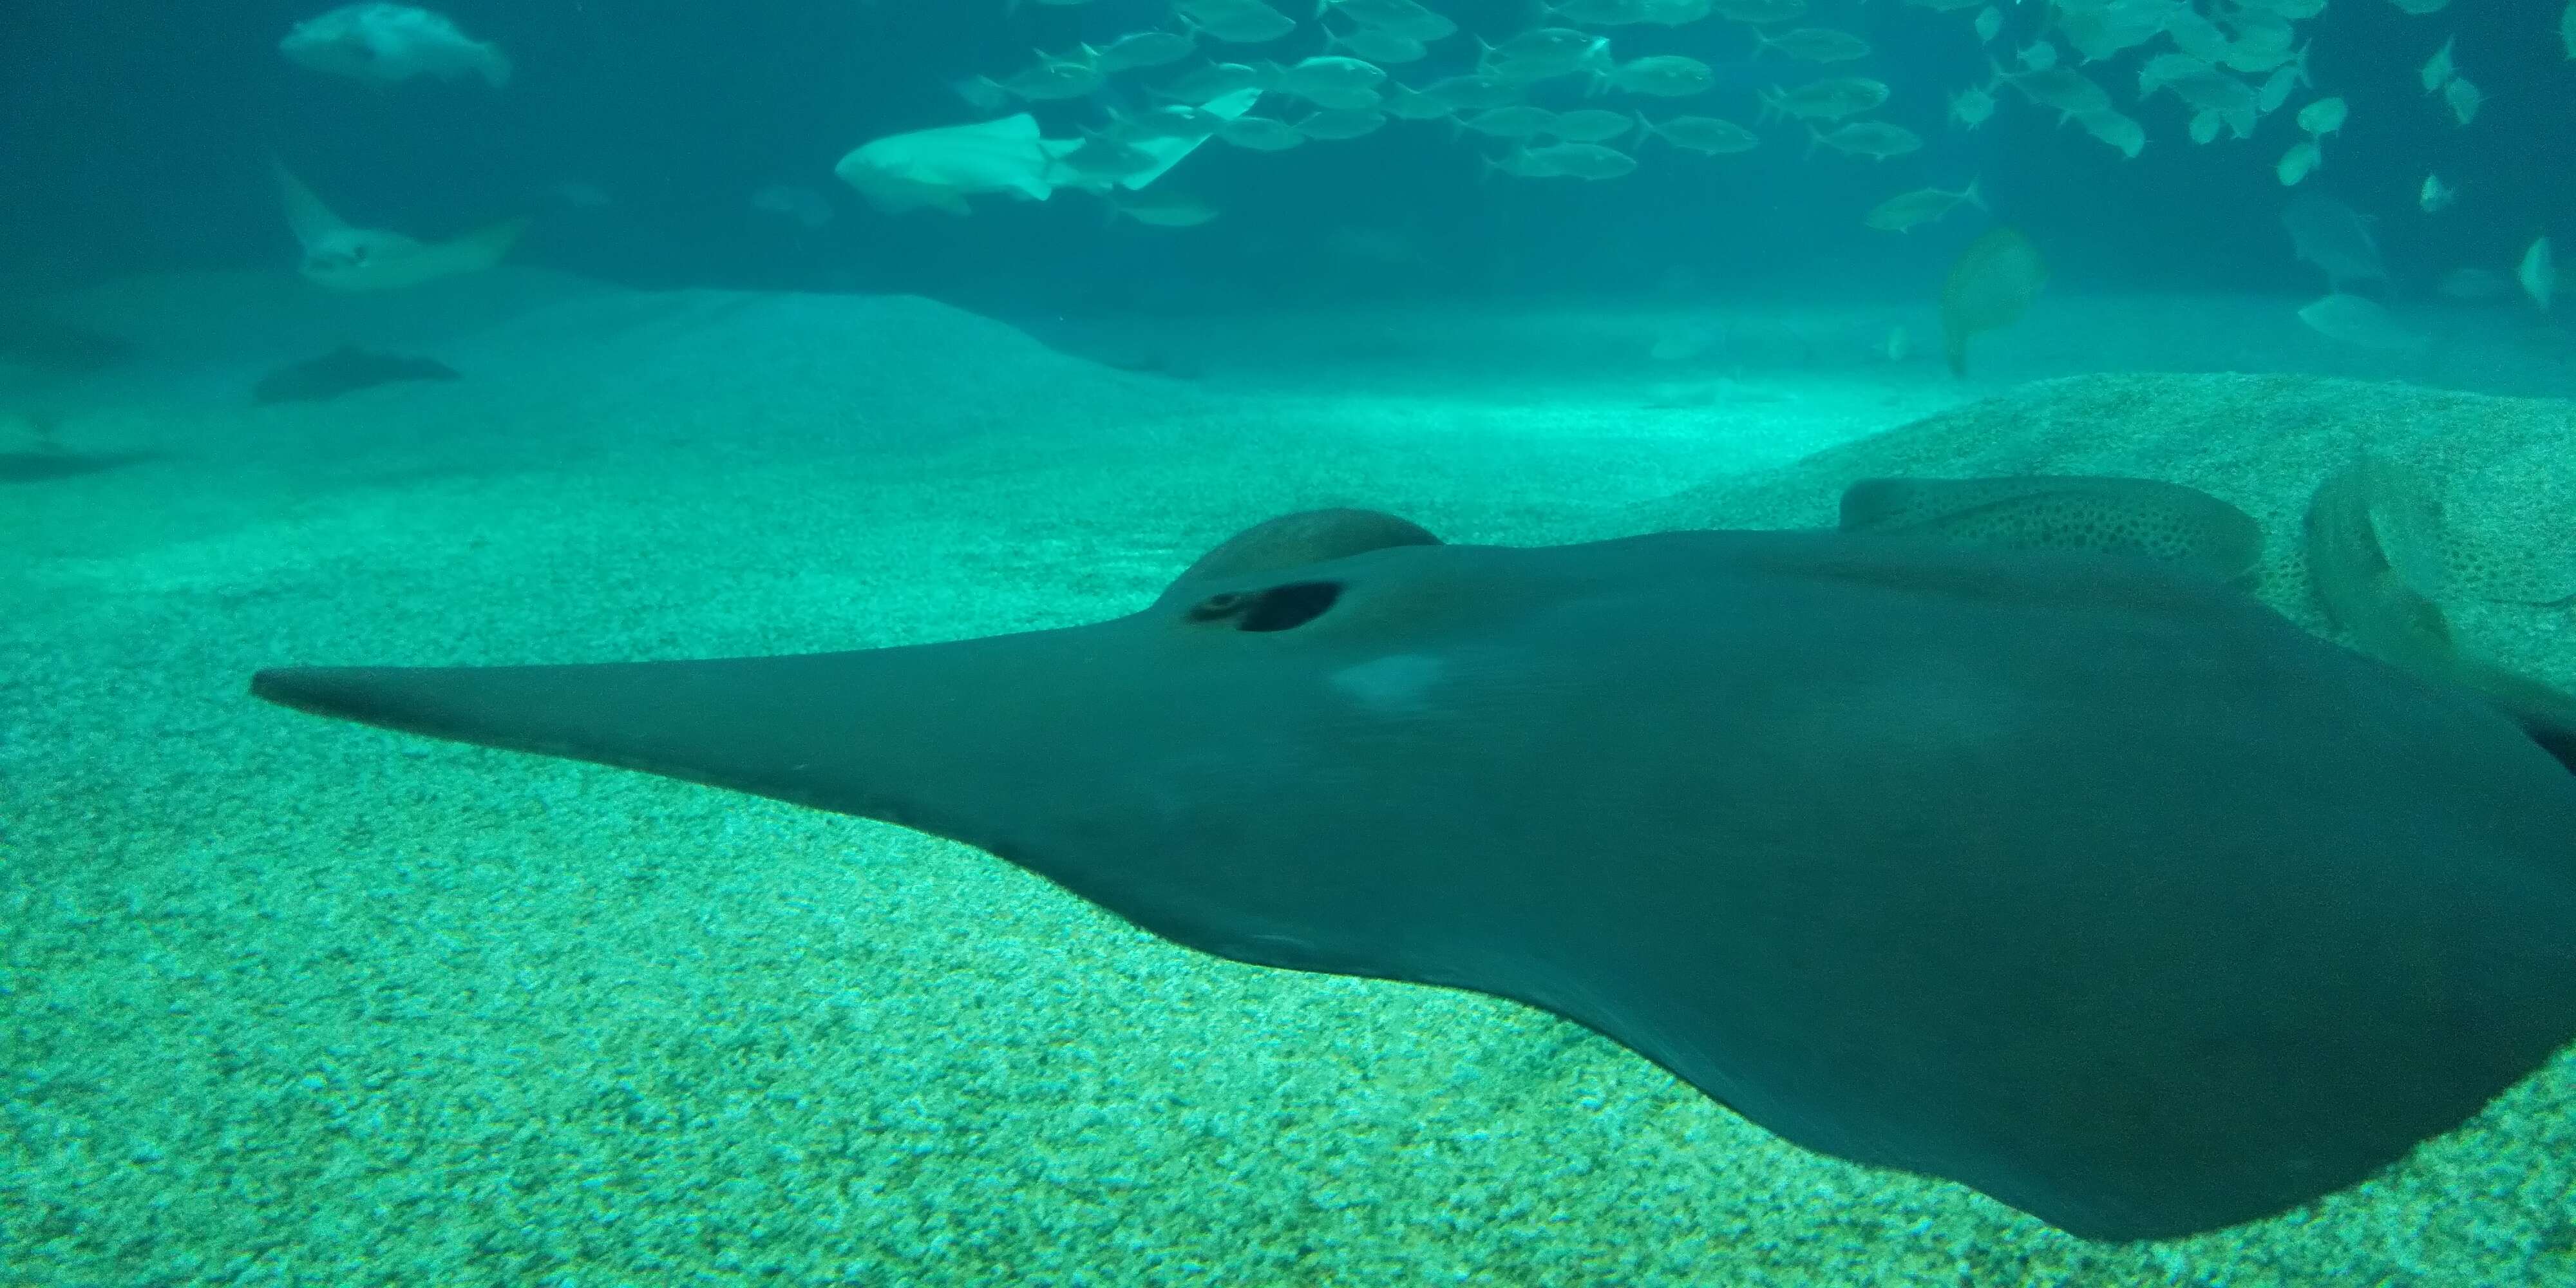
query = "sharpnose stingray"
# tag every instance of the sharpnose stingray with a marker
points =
(2090, 884)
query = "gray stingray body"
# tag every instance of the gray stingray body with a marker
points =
(2096, 887)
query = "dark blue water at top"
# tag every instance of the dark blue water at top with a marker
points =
(138, 137)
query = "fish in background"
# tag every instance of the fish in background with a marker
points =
(2115, 129)
(2538, 274)
(1377, 45)
(1340, 123)
(1831, 99)
(1875, 140)
(2064, 90)
(1544, 54)
(2464, 97)
(1140, 49)
(344, 257)
(1052, 78)
(1972, 107)
(1333, 81)
(2299, 162)
(1233, 22)
(1573, 161)
(1659, 76)
(1814, 44)
(2360, 322)
(2334, 237)
(2215, 97)
(1708, 135)
(2323, 117)
(2439, 69)
(390, 43)
(1161, 208)
(1906, 210)
(1990, 286)
(1404, 17)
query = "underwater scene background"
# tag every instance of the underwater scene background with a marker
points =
(603, 331)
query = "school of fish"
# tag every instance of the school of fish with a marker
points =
(1564, 99)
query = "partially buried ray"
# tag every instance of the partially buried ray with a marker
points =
(2370, 541)
(2144, 518)
(2092, 885)
(345, 370)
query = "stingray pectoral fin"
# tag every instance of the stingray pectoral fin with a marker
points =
(946, 738)
(1166, 153)
(311, 220)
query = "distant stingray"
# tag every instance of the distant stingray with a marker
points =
(344, 370)
(60, 347)
(40, 467)
(345, 257)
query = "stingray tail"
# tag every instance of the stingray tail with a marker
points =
(944, 738)
(305, 214)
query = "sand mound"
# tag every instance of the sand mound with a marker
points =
(2504, 470)
(555, 377)
(876, 366)
(547, 344)
(554, 365)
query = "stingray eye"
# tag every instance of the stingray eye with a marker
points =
(1284, 608)
(1279, 608)
(1217, 608)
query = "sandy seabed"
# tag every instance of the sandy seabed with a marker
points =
(286, 1001)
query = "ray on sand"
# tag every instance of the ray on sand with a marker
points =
(2084, 881)
(345, 370)
(44, 466)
